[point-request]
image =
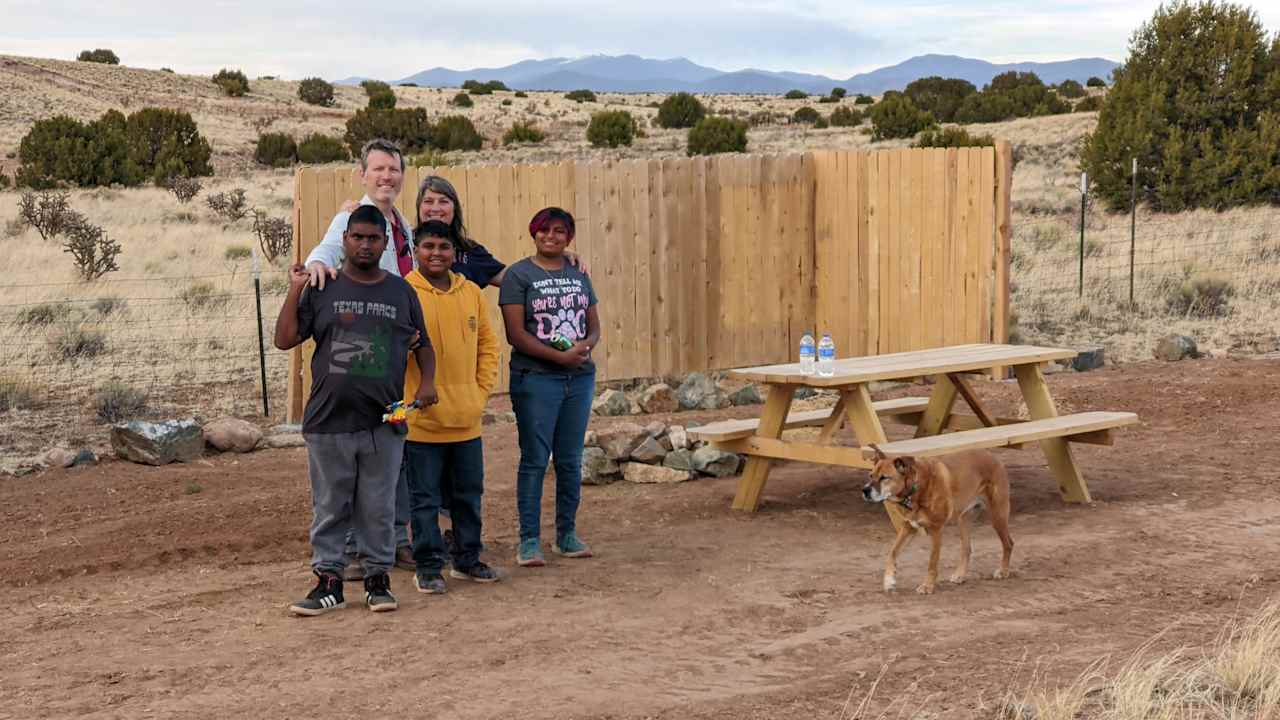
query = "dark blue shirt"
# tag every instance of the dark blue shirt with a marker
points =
(478, 265)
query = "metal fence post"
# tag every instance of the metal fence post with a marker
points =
(1133, 227)
(1084, 189)
(262, 348)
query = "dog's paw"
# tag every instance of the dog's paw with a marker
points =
(1000, 574)
(890, 584)
(925, 589)
(956, 579)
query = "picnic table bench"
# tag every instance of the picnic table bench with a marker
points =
(939, 429)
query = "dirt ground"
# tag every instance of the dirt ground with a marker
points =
(129, 596)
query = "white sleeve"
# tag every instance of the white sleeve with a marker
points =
(329, 251)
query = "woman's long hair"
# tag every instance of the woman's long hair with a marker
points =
(437, 184)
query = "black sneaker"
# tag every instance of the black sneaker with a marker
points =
(431, 583)
(479, 572)
(326, 596)
(377, 593)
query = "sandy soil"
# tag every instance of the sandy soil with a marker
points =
(129, 596)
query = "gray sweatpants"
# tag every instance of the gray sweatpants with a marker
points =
(353, 485)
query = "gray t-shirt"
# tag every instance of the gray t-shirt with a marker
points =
(555, 302)
(362, 334)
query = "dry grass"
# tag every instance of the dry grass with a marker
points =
(1237, 678)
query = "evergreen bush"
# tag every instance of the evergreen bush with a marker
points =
(455, 132)
(796, 95)
(523, 132)
(1093, 103)
(408, 128)
(681, 110)
(712, 135)
(805, 115)
(382, 100)
(1070, 89)
(896, 116)
(461, 100)
(612, 128)
(275, 150)
(317, 149)
(838, 92)
(232, 82)
(845, 116)
(580, 96)
(1096, 81)
(164, 144)
(101, 55)
(952, 137)
(864, 100)
(316, 91)
(940, 96)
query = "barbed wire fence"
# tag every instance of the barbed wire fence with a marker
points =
(1125, 279)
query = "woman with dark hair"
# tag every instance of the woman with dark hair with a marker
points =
(549, 310)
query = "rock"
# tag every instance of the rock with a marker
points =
(285, 440)
(665, 442)
(57, 457)
(715, 462)
(659, 398)
(591, 439)
(597, 467)
(286, 429)
(679, 437)
(641, 473)
(650, 451)
(656, 429)
(679, 460)
(611, 403)
(1051, 368)
(1172, 348)
(158, 443)
(749, 395)
(804, 392)
(635, 407)
(228, 433)
(1088, 358)
(84, 457)
(699, 392)
(619, 441)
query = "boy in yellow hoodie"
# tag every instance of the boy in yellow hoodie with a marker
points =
(443, 452)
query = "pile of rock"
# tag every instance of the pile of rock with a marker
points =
(697, 391)
(655, 453)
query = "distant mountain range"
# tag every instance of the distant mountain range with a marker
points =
(632, 73)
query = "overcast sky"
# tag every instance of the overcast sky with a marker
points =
(837, 38)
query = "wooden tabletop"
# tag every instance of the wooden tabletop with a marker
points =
(897, 366)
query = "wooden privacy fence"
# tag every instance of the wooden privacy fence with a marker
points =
(724, 261)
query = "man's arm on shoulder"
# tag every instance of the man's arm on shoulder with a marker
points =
(328, 253)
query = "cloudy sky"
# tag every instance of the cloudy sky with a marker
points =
(838, 38)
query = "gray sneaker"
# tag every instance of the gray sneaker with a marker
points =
(430, 583)
(529, 554)
(571, 546)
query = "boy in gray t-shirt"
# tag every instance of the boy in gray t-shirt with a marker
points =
(363, 324)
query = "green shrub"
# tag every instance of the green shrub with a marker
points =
(164, 144)
(897, 117)
(407, 84)
(1070, 89)
(275, 150)
(612, 128)
(316, 91)
(430, 158)
(838, 92)
(61, 150)
(523, 132)
(462, 100)
(75, 342)
(796, 95)
(43, 314)
(1096, 81)
(717, 135)
(475, 87)
(681, 110)
(455, 132)
(409, 128)
(1093, 103)
(237, 252)
(317, 149)
(845, 116)
(373, 87)
(940, 96)
(952, 137)
(116, 402)
(985, 107)
(805, 115)
(506, 101)
(166, 70)
(580, 96)
(109, 305)
(827, 100)
(19, 393)
(232, 82)
(1206, 295)
(382, 100)
(1197, 102)
(521, 94)
(864, 100)
(821, 124)
(101, 55)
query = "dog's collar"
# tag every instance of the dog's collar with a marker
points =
(905, 500)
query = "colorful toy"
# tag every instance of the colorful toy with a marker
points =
(397, 413)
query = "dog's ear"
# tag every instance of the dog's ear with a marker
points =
(904, 465)
(879, 453)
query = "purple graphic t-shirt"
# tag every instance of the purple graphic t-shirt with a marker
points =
(555, 303)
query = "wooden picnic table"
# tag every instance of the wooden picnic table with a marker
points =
(938, 429)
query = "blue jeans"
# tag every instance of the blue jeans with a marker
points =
(438, 472)
(552, 412)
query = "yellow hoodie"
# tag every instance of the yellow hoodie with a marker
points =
(466, 360)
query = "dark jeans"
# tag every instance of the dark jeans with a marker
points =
(552, 412)
(438, 472)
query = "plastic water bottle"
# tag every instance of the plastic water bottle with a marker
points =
(808, 354)
(827, 356)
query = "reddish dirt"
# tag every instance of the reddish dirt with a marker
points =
(128, 596)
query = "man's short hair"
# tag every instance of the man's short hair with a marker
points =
(385, 146)
(435, 229)
(370, 215)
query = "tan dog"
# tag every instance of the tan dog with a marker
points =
(934, 491)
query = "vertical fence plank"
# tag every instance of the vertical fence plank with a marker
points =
(705, 301)
(986, 241)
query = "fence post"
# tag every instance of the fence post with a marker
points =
(1084, 196)
(262, 349)
(1133, 227)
